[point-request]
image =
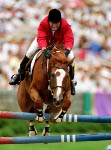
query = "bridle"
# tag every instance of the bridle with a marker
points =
(50, 83)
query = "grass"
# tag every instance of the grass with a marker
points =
(19, 128)
(97, 145)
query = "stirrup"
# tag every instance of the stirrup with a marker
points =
(15, 80)
(75, 83)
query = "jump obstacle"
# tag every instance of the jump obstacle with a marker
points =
(55, 139)
(66, 118)
(60, 138)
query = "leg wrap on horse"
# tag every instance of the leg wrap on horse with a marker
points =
(39, 117)
(46, 131)
(39, 112)
(58, 117)
(32, 129)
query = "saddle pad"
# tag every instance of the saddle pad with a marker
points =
(33, 60)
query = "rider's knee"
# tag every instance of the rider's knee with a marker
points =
(71, 55)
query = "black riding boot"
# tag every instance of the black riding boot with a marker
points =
(17, 78)
(73, 84)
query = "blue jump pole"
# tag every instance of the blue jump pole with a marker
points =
(66, 118)
(55, 139)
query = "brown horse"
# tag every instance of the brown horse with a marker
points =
(49, 84)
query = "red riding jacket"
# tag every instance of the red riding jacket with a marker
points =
(64, 34)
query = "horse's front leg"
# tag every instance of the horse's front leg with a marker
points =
(38, 104)
(65, 106)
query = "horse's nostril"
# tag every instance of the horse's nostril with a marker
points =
(57, 103)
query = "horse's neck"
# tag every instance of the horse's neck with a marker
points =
(40, 66)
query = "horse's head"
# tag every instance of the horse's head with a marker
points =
(59, 75)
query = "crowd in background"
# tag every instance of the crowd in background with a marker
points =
(91, 24)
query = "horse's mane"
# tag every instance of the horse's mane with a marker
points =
(58, 56)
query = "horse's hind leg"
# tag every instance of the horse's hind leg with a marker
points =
(46, 130)
(32, 129)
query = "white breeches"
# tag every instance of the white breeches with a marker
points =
(34, 46)
(70, 57)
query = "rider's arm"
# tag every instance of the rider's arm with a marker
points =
(41, 37)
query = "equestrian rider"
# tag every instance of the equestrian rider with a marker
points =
(52, 28)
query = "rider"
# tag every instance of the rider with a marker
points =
(52, 28)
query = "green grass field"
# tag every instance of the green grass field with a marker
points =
(19, 128)
(99, 145)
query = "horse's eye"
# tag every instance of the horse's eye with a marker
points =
(52, 74)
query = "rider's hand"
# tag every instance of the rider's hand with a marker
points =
(47, 53)
(67, 52)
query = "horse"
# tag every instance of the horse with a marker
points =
(48, 84)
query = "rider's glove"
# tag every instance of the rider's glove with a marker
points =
(47, 53)
(67, 52)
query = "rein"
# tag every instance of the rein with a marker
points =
(49, 76)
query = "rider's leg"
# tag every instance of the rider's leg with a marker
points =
(16, 79)
(72, 72)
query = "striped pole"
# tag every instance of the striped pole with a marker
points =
(55, 139)
(66, 118)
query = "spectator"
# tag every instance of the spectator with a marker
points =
(90, 21)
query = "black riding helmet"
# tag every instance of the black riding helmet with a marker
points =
(54, 16)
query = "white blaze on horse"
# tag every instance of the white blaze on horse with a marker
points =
(49, 84)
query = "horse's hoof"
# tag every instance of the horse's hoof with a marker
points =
(52, 120)
(46, 131)
(32, 133)
(55, 120)
(47, 134)
(58, 120)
